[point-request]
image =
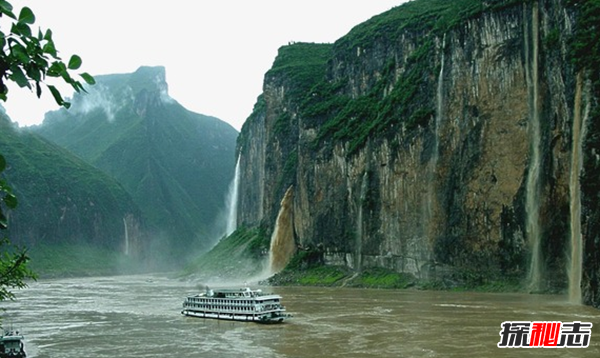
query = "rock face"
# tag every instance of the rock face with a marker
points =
(440, 145)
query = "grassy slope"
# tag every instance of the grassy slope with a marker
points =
(239, 256)
(64, 260)
(61, 198)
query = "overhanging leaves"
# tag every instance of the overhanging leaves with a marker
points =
(26, 16)
(74, 62)
(31, 57)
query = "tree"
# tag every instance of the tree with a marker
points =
(13, 261)
(26, 59)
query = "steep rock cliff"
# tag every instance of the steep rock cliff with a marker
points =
(435, 139)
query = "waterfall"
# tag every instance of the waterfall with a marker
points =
(428, 221)
(126, 237)
(532, 186)
(578, 133)
(359, 222)
(283, 245)
(232, 200)
(423, 242)
(439, 108)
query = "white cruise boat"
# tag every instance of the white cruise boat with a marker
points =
(11, 345)
(242, 304)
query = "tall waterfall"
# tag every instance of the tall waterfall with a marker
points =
(439, 108)
(578, 132)
(360, 232)
(532, 197)
(232, 200)
(422, 244)
(283, 245)
(126, 249)
(429, 221)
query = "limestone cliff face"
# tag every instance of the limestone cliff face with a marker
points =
(445, 152)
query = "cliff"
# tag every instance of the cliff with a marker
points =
(439, 139)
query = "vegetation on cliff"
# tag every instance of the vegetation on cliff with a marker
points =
(28, 60)
(455, 185)
(240, 256)
(68, 198)
(176, 164)
(13, 261)
(307, 269)
(585, 54)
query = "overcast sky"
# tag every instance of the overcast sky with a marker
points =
(215, 52)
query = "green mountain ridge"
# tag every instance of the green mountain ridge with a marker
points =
(176, 164)
(62, 199)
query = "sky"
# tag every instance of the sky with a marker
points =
(215, 52)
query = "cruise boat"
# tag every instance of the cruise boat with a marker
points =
(11, 345)
(242, 304)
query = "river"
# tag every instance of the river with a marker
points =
(139, 316)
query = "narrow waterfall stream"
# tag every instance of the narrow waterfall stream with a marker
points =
(532, 198)
(126, 249)
(578, 131)
(283, 245)
(232, 200)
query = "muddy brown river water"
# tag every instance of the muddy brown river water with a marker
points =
(139, 316)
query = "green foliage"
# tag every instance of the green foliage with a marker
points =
(302, 64)
(552, 39)
(322, 276)
(7, 198)
(418, 16)
(373, 114)
(14, 270)
(585, 47)
(28, 58)
(382, 278)
(259, 109)
(585, 54)
(80, 259)
(176, 164)
(13, 262)
(288, 174)
(238, 256)
(296, 273)
(339, 117)
(61, 197)
(283, 123)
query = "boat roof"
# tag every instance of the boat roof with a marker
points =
(12, 337)
(255, 293)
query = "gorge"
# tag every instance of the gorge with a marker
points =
(445, 140)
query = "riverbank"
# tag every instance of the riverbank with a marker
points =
(380, 278)
(76, 260)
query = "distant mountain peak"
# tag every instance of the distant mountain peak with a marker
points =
(176, 164)
(145, 87)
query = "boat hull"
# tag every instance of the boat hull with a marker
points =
(259, 318)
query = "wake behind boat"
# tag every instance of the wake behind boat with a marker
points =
(242, 304)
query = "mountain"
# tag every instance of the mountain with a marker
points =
(61, 198)
(456, 141)
(176, 164)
